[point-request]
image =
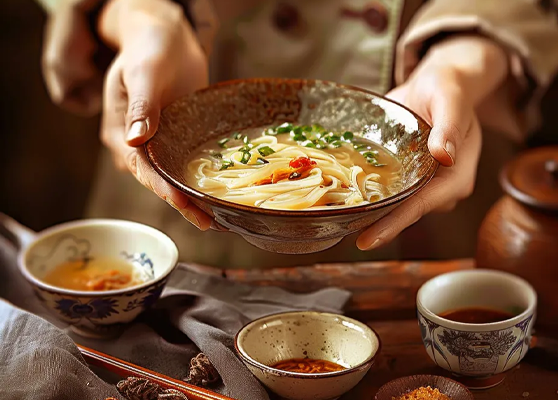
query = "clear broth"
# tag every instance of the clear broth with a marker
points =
(96, 274)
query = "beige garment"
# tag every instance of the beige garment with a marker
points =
(326, 44)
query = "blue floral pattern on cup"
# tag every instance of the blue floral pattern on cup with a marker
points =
(474, 353)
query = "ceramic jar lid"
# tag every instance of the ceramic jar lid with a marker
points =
(532, 178)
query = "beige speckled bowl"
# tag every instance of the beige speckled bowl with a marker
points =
(218, 111)
(315, 335)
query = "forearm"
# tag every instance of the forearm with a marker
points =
(121, 20)
(479, 65)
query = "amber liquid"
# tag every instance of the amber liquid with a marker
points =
(307, 365)
(476, 315)
(97, 274)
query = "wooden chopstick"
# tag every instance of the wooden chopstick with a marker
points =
(126, 369)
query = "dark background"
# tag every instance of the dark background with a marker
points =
(48, 157)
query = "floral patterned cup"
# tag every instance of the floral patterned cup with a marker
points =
(478, 354)
(96, 313)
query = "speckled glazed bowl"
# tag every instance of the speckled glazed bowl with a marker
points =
(308, 334)
(96, 313)
(219, 110)
(399, 387)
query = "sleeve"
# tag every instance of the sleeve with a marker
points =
(527, 29)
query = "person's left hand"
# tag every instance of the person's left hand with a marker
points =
(445, 95)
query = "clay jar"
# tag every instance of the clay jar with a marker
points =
(520, 232)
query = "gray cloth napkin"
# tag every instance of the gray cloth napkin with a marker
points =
(197, 312)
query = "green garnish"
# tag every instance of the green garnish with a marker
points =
(265, 151)
(348, 136)
(223, 143)
(226, 164)
(284, 128)
(245, 157)
(215, 154)
(312, 136)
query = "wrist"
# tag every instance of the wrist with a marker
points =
(476, 65)
(122, 20)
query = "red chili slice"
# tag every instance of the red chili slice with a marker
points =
(301, 162)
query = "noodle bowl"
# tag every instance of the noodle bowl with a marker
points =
(295, 168)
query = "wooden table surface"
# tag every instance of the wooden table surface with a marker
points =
(384, 297)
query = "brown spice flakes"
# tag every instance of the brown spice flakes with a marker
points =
(423, 393)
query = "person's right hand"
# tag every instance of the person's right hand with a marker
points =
(159, 60)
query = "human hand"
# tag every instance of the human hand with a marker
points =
(444, 89)
(159, 60)
(72, 79)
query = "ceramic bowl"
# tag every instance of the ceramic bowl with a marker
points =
(219, 110)
(308, 334)
(399, 387)
(99, 313)
(477, 353)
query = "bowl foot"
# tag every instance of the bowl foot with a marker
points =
(99, 332)
(291, 247)
(481, 383)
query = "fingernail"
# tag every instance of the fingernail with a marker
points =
(374, 244)
(137, 130)
(450, 149)
(187, 214)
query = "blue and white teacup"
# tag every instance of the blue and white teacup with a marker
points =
(96, 313)
(479, 353)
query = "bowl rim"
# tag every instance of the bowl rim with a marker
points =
(367, 363)
(68, 226)
(386, 385)
(469, 327)
(215, 201)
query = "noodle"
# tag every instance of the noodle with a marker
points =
(295, 171)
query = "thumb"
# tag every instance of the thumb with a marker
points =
(451, 120)
(144, 108)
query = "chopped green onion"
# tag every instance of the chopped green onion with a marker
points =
(245, 157)
(237, 136)
(299, 137)
(223, 143)
(215, 154)
(226, 164)
(261, 161)
(246, 140)
(348, 136)
(265, 151)
(336, 144)
(284, 128)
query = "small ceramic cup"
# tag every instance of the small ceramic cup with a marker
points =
(96, 313)
(308, 334)
(477, 353)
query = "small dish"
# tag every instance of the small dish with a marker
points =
(96, 313)
(307, 334)
(399, 387)
(215, 112)
(478, 354)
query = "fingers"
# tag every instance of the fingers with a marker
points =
(178, 200)
(451, 120)
(449, 186)
(71, 77)
(113, 133)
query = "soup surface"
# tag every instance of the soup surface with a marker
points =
(307, 365)
(292, 167)
(476, 315)
(95, 274)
